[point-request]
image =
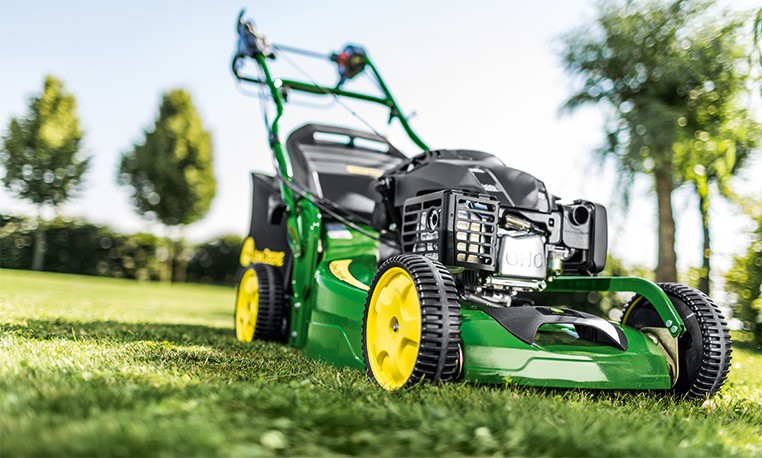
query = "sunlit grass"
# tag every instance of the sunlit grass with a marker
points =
(108, 367)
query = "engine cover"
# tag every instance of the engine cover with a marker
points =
(468, 171)
(523, 256)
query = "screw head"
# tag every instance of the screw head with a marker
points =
(668, 323)
(673, 329)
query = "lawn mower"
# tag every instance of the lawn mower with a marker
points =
(434, 267)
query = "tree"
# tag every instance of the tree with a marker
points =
(42, 155)
(170, 172)
(713, 157)
(745, 277)
(758, 41)
(718, 133)
(658, 67)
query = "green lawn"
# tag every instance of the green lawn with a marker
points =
(92, 366)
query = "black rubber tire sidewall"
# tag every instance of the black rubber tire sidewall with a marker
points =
(704, 350)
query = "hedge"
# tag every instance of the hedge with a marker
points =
(79, 247)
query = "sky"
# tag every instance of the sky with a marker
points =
(481, 75)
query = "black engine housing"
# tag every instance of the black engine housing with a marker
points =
(470, 171)
(477, 181)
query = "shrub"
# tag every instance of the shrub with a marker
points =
(215, 261)
(79, 247)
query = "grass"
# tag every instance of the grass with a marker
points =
(92, 366)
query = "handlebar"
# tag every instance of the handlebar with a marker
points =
(350, 62)
(353, 60)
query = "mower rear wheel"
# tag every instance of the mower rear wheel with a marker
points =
(411, 323)
(260, 305)
(704, 350)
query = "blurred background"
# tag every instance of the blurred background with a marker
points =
(126, 144)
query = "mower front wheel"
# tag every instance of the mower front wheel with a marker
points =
(260, 305)
(411, 324)
(703, 350)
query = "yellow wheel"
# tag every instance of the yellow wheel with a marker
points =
(246, 306)
(259, 306)
(411, 325)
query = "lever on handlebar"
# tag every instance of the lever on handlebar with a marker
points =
(351, 61)
(251, 42)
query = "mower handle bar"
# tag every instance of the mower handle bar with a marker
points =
(254, 45)
(278, 87)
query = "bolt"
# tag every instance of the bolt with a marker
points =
(673, 329)
(293, 334)
(297, 305)
(395, 325)
(668, 323)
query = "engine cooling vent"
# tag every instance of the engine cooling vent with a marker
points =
(455, 228)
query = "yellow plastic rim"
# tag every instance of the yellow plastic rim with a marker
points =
(393, 329)
(247, 306)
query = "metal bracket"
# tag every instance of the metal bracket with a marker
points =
(668, 345)
(645, 288)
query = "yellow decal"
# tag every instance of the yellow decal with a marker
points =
(250, 254)
(340, 270)
(357, 170)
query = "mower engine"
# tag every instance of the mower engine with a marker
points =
(497, 228)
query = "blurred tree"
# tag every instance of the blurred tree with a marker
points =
(41, 155)
(758, 40)
(713, 157)
(744, 279)
(718, 132)
(660, 66)
(170, 173)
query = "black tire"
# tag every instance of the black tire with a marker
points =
(704, 350)
(438, 355)
(270, 304)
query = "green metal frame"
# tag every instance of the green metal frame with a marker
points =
(645, 288)
(282, 159)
